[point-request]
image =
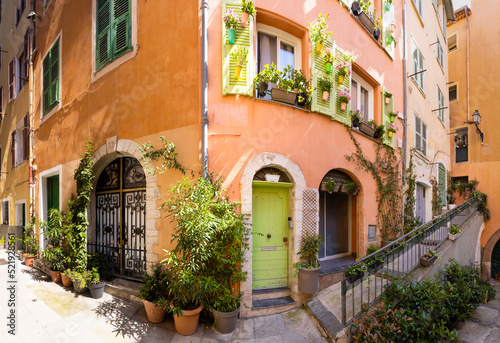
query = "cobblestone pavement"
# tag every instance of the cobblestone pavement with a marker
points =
(49, 312)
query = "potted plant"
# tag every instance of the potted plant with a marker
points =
(378, 25)
(428, 258)
(303, 88)
(247, 9)
(343, 187)
(231, 21)
(367, 128)
(363, 16)
(454, 232)
(388, 97)
(376, 262)
(352, 188)
(154, 293)
(392, 116)
(103, 265)
(308, 267)
(391, 130)
(264, 77)
(343, 70)
(355, 117)
(66, 278)
(318, 33)
(240, 56)
(388, 4)
(225, 307)
(355, 272)
(379, 131)
(330, 185)
(80, 280)
(344, 98)
(54, 254)
(284, 91)
(96, 286)
(329, 58)
(325, 85)
(356, 8)
(31, 245)
(272, 176)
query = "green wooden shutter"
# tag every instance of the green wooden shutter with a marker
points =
(53, 192)
(318, 71)
(54, 74)
(386, 119)
(244, 37)
(442, 184)
(342, 116)
(46, 83)
(103, 31)
(121, 31)
(387, 19)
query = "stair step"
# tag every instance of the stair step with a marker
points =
(270, 293)
(273, 302)
(124, 289)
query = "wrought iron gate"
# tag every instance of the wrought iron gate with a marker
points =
(120, 231)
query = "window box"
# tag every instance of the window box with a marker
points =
(367, 22)
(427, 262)
(366, 129)
(283, 96)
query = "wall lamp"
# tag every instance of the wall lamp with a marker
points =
(476, 120)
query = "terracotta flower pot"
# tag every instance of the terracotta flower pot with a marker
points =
(28, 260)
(343, 106)
(325, 96)
(155, 313)
(341, 79)
(387, 101)
(237, 72)
(187, 324)
(66, 280)
(244, 19)
(55, 276)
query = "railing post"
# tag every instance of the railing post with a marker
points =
(343, 291)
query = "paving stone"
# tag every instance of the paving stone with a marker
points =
(474, 333)
(268, 326)
(485, 315)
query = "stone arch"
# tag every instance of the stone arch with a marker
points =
(487, 252)
(102, 157)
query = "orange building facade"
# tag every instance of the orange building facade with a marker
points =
(473, 87)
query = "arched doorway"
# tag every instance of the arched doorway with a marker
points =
(335, 215)
(120, 217)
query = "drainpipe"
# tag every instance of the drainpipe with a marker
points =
(31, 111)
(204, 91)
(405, 120)
(467, 60)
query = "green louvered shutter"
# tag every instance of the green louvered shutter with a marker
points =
(318, 71)
(342, 116)
(46, 83)
(121, 32)
(386, 119)
(103, 39)
(346, 3)
(54, 74)
(387, 19)
(442, 184)
(244, 37)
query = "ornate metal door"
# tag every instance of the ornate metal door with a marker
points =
(121, 217)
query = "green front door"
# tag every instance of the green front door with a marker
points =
(270, 234)
(52, 192)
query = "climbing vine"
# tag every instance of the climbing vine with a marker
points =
(385, 171)
(166, 155)
(411, 221)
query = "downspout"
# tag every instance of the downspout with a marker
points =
(204, 90)
(467, 60)
(405, 99)
(31, 111)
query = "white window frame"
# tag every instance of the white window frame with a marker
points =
(284, 37)
(19, 212)
(419, 136)
(361, 82)
(439, 53)
(455, 47)
(441, 104)
(421, 76)
(456, 86)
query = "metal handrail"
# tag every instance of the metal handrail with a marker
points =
(404, 254)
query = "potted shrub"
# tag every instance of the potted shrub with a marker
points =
(352, 188)
(31, 246)
(103, 265)
(329, 58)
(247, 9)
(330, 185)
(367, 128)
(154, 293)
(240, 56)
(428, 258)
(344, 98)
(231, 21)
(96, 286)
(388, 97)
(225, 307)
(308, 267)
(263, 78)
(344, 70)
(284, 91)
(318, 33)
(54, 254)
(379, 131)
(454, 232)
(80, 280)
(355, 272)
(364, 18)
(66, 278)
(325, 85)
(376, 262)
(391, 130)
(355, 117)
(303, 88)
(378, 25)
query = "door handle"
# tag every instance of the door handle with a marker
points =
(268, 235)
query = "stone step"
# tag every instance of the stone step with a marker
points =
(328, 324)
(261, 294)
(273, 302)
(124, 289)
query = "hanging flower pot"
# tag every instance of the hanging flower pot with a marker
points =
(392, 118)
(387, 101)
(390, 134)
(237, 72)
(231, 36)
(328, 67)
(343, 106)
(319, 47)
(387, 6)
(326, 95)
(355, 122)
(244, 19)
(341, 79)
(389, 40)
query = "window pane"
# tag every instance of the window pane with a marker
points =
(354, 95)
(364, 102)
(453, 92)
(287, 56)
(267, 50)
(452, 42)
